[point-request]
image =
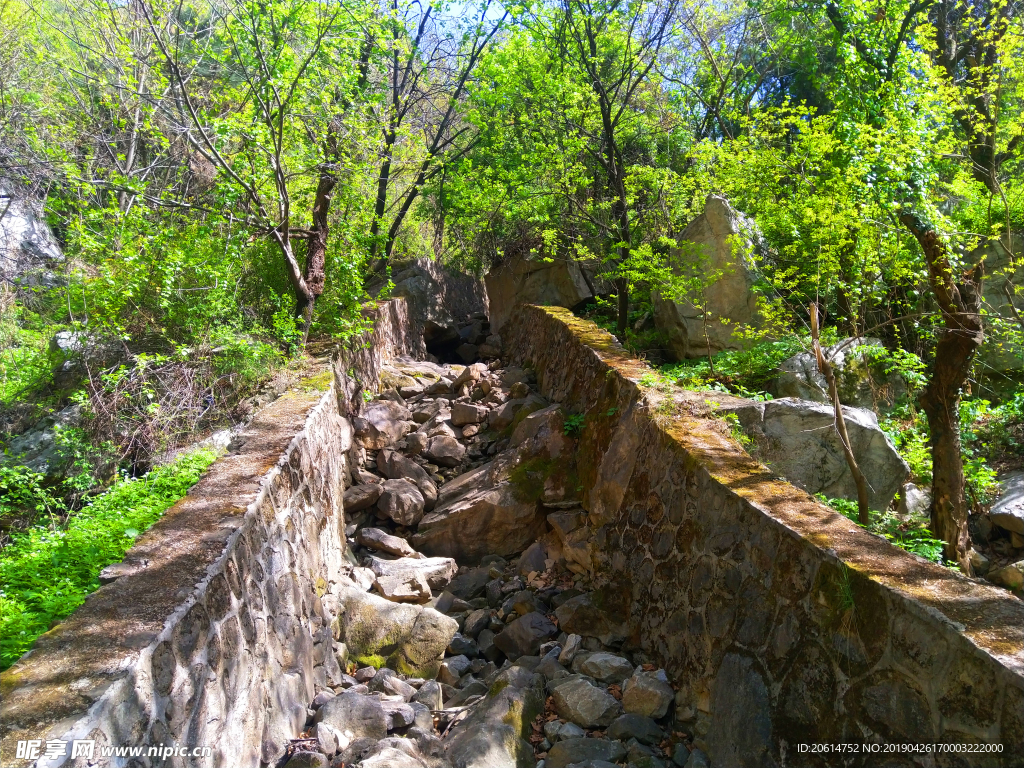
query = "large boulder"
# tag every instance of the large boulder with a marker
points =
(861, 382)
(410, 639)
(1000, 360)
(524, 636)
(1008, 510)
(382, 423)
(437, 571)
(354, 716)
(719, 240)
(798, 440)
(28, 249)
(522, 280)
(401, 501)
(495, 733)
(481, 512)
(395, 466)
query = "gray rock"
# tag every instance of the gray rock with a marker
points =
(391, 757)
(360, 497)
(861, 382)
(476, 622)
(604, 667)
(584, 704)
(429, 695)
(400, 714)
(569, 751)
(1008, 510)
(495, 733)
(395, 466)
(375, 538)
(524, 635)
(354, 716)
(327, 738)
(436, 571)
(485, 642)
(719, 240)
(914, 500)
(321, 698)
(741, 729)
(1010, 576)
(403, 588)
(463, 646)
(445, 451)
(573, 643)
(467, 413)
(522, 280)
(680, 754)
(401, 501)
(452, 670)
(639, 727)
(411, 638)
(470, 583)
(382, 423)
(798, 439)
(648, 694)
(481, 512)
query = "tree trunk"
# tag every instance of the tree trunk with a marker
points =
(315, 273)
(958, 341)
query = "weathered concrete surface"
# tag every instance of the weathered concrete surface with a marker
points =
(224, 616)
(784, 622)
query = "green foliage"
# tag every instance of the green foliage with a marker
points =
(744, 372)
(47, 571)
(573, 426)
(22, 492)
(910, 535)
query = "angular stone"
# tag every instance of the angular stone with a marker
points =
(638, 727)
(360, 497)
(354, 716)
(481, 512)
(1010, 576)
(410, 639)
(584, 704)
(604, 667)
(445, 451)
(452, 670)
(436, 571)
(429, 695)
(476, 621)
(648, 694)
(573, 643)
(404, 588)
(382, 423)
(582, 750)
(401, 501)
(467, 413)
(399, 713)
(395, 466)
(470, 583)
(524, 636)
(495, 733)
(375, 538)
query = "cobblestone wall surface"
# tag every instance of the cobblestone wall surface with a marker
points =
(784, 623)
(220, 619)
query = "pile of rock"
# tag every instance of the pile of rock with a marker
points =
(465, 635)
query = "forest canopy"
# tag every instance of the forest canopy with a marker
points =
(228, 178)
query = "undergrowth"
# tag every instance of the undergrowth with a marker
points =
(909, 534)
(47, 571)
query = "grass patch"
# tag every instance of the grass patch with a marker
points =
(47, 571)
(741, 372)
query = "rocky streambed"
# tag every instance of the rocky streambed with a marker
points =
(468, 631)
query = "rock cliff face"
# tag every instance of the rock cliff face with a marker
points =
(719, 241)
(559, 283)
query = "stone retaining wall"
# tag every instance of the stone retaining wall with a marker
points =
(214, 631)
(784, 623)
